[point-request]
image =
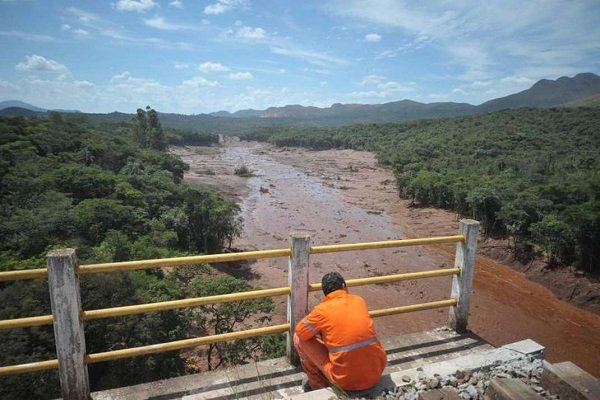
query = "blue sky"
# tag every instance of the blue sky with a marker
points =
(191, 56)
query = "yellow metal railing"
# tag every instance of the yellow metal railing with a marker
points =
(221, 258)
(195, 302)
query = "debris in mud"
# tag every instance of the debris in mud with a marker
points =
(243, 171)
(264, 189)
(472, 385)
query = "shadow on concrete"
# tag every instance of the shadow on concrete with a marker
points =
(260, 380)
(447, 346)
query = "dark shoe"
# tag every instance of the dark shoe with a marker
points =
(306, 386)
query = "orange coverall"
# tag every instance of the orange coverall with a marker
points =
(347, 353)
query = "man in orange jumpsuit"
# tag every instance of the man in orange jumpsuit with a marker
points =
(337, 343)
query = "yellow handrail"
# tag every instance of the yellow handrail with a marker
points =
(23, 274)
(179, 261)
(194, 302)
(313, 287)
(224, 298)
(413, 307)
(219, 258)
(29, 367)
(184, 344)
(334, 248)
(27, 322)
(187, 343)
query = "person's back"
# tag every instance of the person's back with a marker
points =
(347, 352)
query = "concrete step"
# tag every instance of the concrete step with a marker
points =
(276, 379)
(510, 389)
(570, 382)
(472, 362)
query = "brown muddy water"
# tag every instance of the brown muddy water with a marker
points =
(344, 196)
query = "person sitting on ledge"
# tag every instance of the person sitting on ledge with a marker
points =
(336, 341)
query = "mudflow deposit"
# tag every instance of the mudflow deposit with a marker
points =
(344, 196)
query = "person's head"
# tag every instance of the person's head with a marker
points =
(332, 281)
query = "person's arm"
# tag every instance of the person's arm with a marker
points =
(309, 326)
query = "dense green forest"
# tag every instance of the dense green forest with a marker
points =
(113, 192)
(530, 175)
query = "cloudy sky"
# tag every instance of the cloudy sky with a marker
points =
(194, 56)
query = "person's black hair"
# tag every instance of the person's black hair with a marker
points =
(332, 281)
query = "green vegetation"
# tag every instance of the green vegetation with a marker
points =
(531, 175)
(243, 171)
(113, 193)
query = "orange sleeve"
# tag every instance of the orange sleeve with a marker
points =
(309, 326)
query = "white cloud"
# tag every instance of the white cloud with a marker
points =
(36, 63)
(483, 90)
(414, 44)
(165, 44)
(176, 4)
(213, 67)
(160, 23)
(197, 82)
(125, 87)
(381, 90)
(486, 40)
(222, 6)
(247, 32)
(310, 56)
(109, 29)
(135, 5)
(84, 85)
(83, 17)
(7, 87)
(80, 33)
(33, 37)
(241, 76)
(372, 37)
(395, 87)
(371, 80)
(181, 65)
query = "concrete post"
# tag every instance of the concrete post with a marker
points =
(68, 327)
(462, 285)
(298, 282)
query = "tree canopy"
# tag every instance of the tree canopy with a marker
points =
(531, 174)
(114, 193)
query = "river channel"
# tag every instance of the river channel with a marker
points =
(344, 196)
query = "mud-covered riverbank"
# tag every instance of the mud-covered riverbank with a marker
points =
(343, 196)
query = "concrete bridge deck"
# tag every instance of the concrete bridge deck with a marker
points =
(277, 379)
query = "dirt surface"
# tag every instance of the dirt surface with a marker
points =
(343, 196)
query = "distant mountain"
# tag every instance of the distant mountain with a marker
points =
(544, 93)
(548, 93)
(581, 90)
(354, 113)
(591, 101)
(18, 112)
(19, 104)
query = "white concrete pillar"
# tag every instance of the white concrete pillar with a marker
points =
(298, 282)
(462, 285)
(68, 327)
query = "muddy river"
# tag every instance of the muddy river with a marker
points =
(344, 196)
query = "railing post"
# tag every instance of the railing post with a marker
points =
(462, 285)
(68, 327)
(298, 282)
